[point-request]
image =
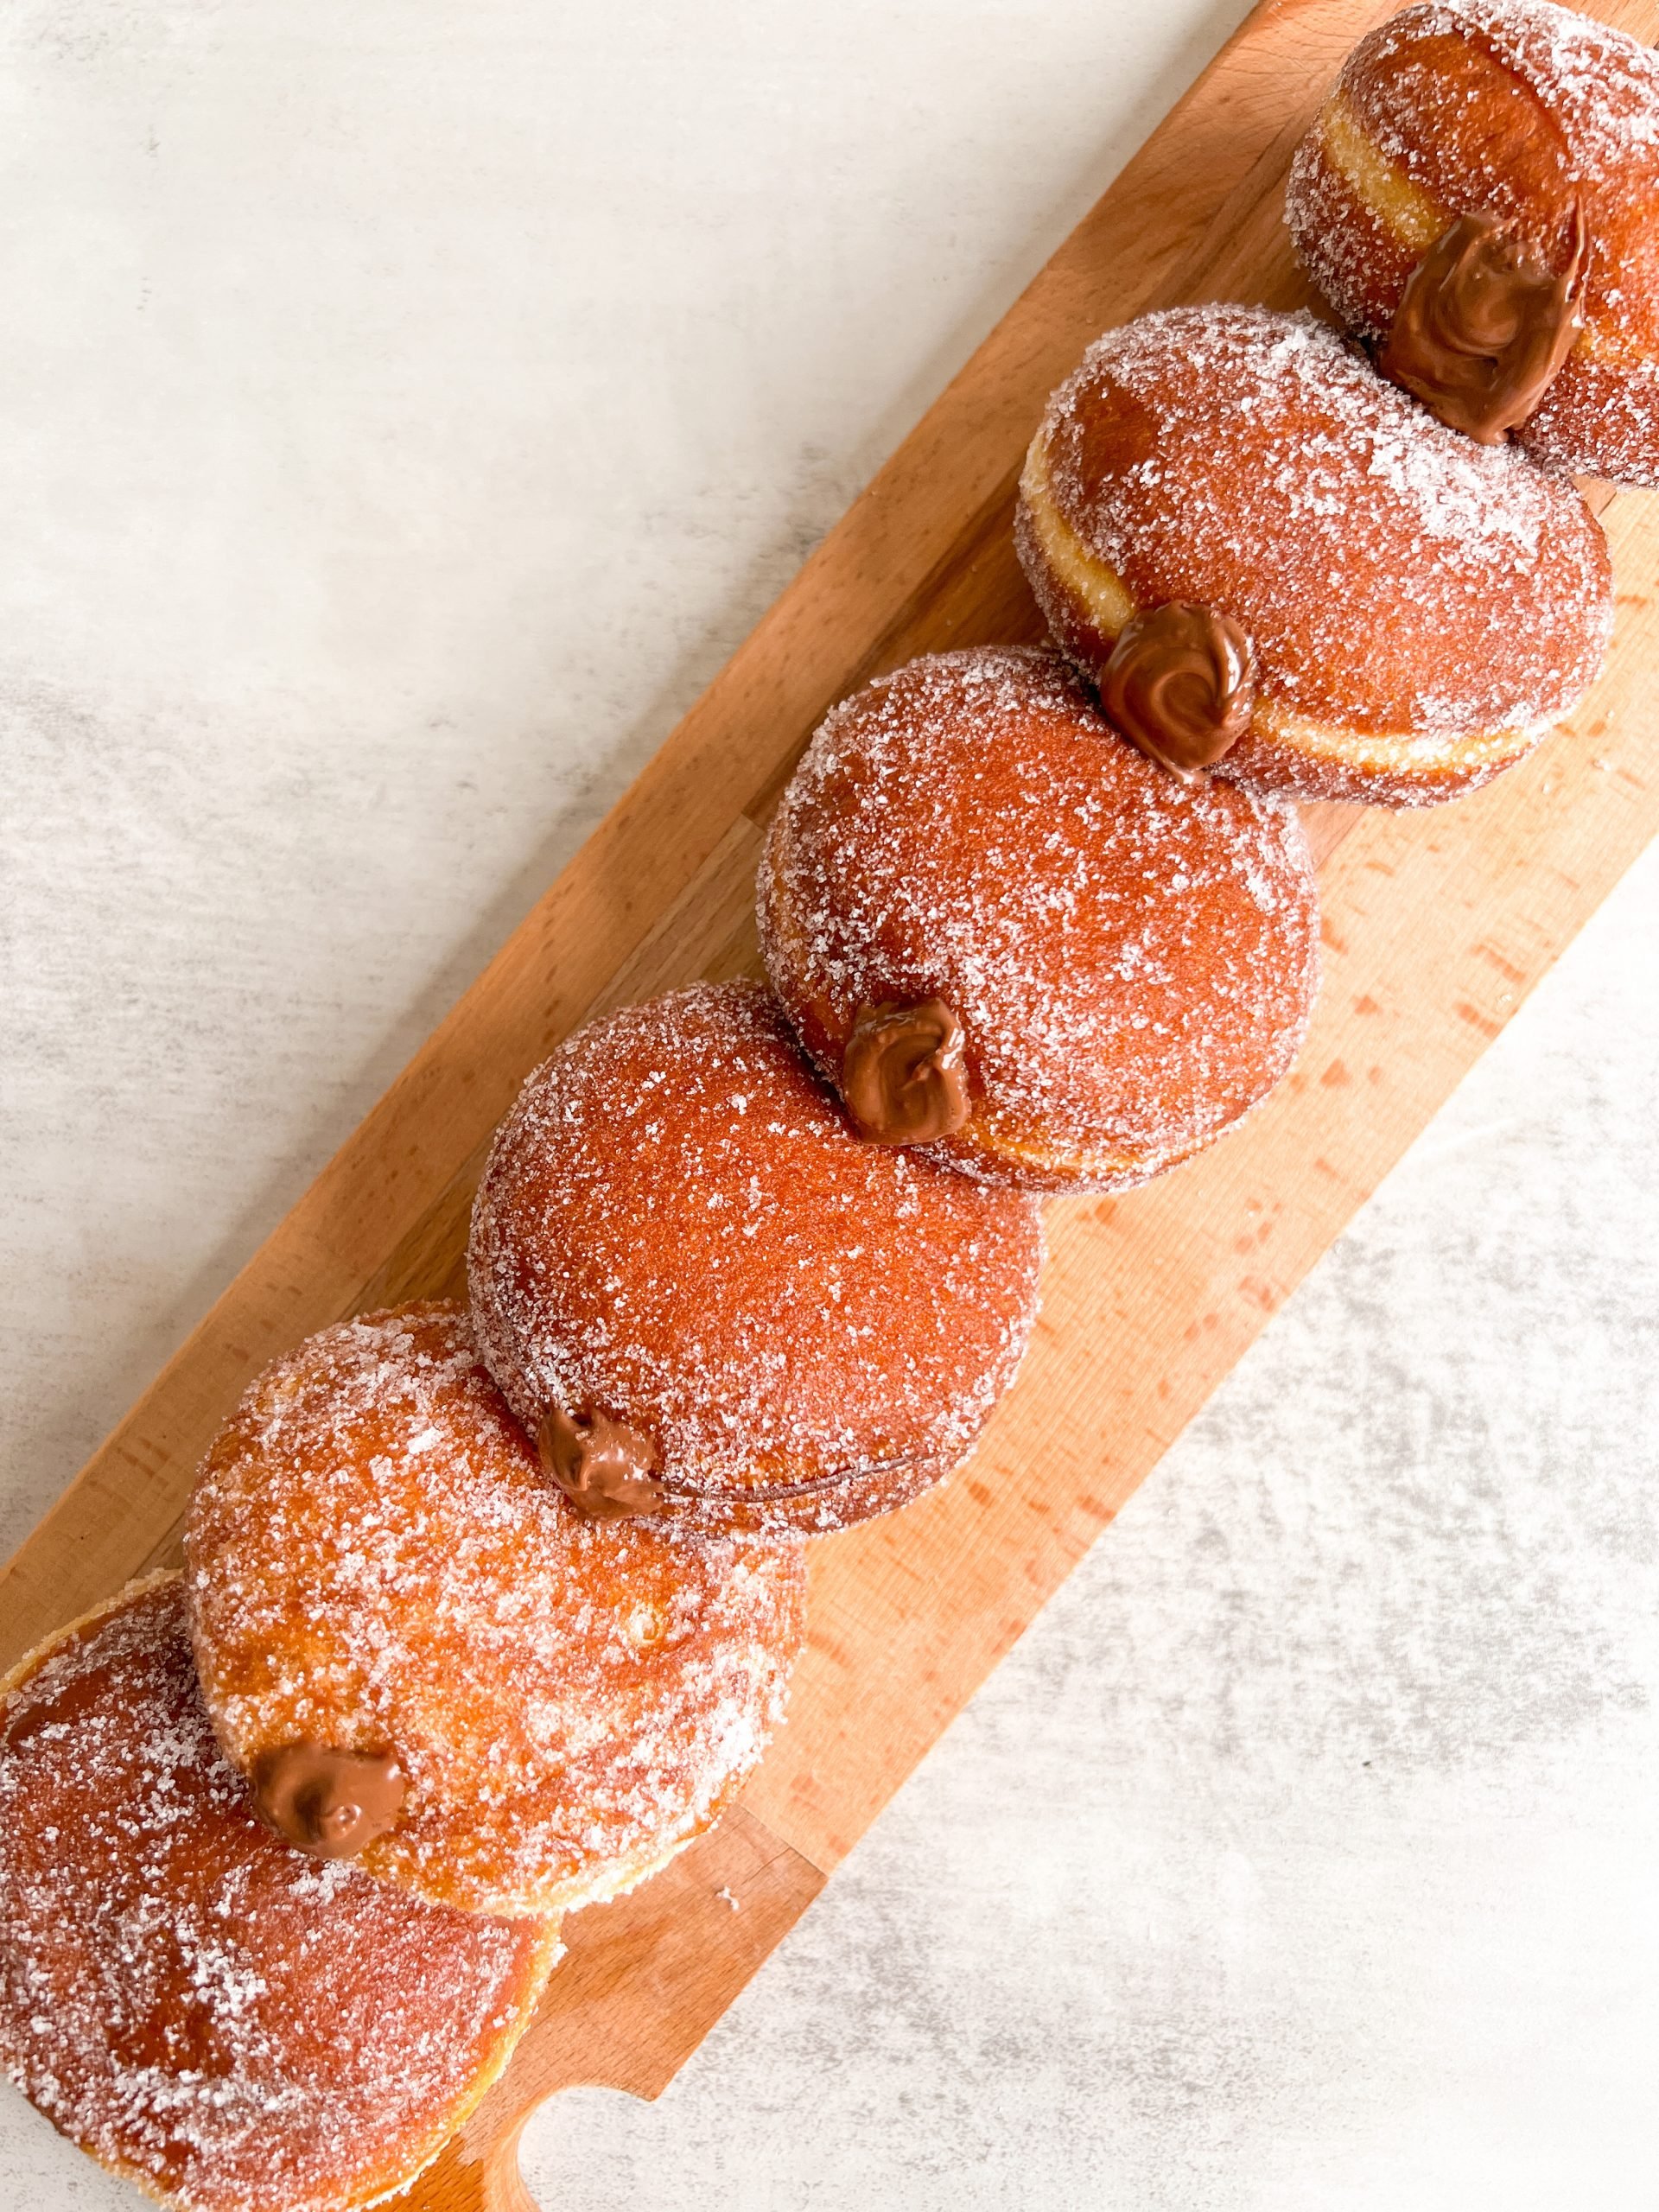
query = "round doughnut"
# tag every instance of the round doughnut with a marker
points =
(226, 2022)
(1131, 960)
(1418, 608)
(382, 1578)
(680, 1246)
(1509, 152)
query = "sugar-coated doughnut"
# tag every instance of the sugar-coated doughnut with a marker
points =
(384, 1580)
(1419, 609)
(1480, 194)
(227, 2023)
(1129, 959)
(681, 1248)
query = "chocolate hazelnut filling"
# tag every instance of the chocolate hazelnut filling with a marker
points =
(1180, 684)
(902, 1074)
(331, 1803)
(1481, 331)
(602, 1467)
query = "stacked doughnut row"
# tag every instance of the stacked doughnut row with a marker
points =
(487, 1611)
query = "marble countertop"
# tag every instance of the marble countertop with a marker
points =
(405, 409)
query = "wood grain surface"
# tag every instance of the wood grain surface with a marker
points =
(1436, 926)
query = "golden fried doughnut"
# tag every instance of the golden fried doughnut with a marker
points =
(382, 1576)
(1508, 151)
(678, 1236)
(227, 2023)
(1421, 608)
(1130, 960)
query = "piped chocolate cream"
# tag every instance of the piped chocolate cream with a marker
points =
(331, 1803)
(1482, 331)
(902, 1075)
(602, 1466)
(1180, 684)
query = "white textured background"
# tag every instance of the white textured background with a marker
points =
(404, 407)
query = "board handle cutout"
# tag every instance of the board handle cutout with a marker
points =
(642, 1981)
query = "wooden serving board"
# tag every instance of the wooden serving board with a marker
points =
(1436, 926)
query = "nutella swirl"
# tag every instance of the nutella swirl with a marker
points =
(901, 1075)
(602, 1467)
(330, 1803)
(1180, 683)
(1481, 331)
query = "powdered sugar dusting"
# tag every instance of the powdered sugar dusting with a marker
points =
(1134, 961)
(1599, 86)
(677, 1227)
(376, 1558)
(228, 2022)
(1395, 577)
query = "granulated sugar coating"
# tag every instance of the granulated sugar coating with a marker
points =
(1520, 109)
(375, 1559)
(1132, 960)
(1422, 607)
(234, 2026)
(678, 1230)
